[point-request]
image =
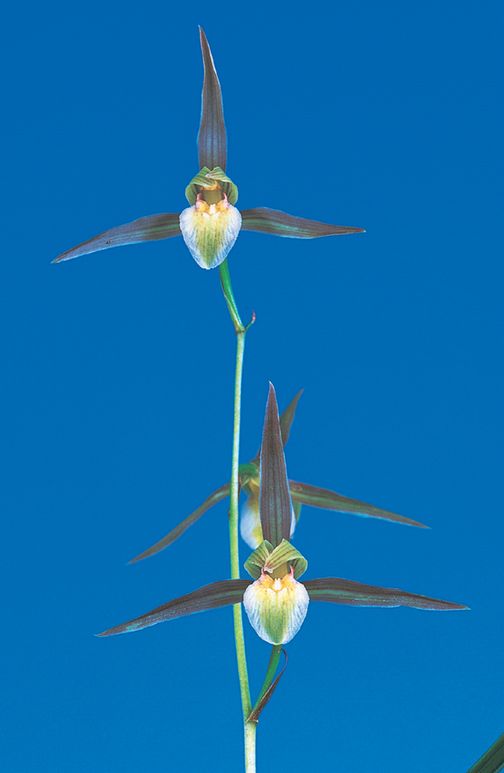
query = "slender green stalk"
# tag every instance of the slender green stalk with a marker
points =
(241, 331)
(225, 278)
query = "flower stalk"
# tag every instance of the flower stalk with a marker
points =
(234, 551)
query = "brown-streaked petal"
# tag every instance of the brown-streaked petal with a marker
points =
(212, 132)
(331, 500)
(286, 419)
(277, 223)
(217, 496)
(492, 760)
(275, 504)
(145, 229)
(218, 594)
(338, 591)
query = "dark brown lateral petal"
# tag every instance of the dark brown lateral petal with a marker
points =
(330, 500)
(217, 496)
(274, 498)
(338, 591)
(212, 131)
(145, 229)
(218, 594)
(493, 759)
(273, 221)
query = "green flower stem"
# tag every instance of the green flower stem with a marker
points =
(241, 331)
(225, 278)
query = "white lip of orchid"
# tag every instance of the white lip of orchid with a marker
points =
(276, 607)
(250, 522)
(210, 230)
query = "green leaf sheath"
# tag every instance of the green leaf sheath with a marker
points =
(493, 759)
(331, 500)
(338, 591)
(212, 132)
(277, 223)
(275, 504)
(218, 594)
(145, 229)
(217, 496)
(270, 682)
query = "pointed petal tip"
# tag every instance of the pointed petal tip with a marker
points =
(415, 524)
(108, 632)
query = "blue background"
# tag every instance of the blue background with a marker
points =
(118, 373)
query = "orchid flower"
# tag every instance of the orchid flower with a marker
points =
(275, 601)
(211, 223)
(300, 493)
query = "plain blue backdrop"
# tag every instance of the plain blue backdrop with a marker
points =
(118, 371)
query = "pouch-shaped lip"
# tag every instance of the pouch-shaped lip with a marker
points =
(276, 608)
(210, 231)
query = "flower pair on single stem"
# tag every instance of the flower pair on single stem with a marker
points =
(275, 599)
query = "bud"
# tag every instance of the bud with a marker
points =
(276, 607)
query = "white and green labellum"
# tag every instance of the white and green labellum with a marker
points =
(276, 607)
(250, 521)
(210, 230)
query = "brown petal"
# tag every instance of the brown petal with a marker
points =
(277, 223)
(145, 229)
(218, 594)
(212, 131)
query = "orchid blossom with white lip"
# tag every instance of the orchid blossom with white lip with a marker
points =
(211, 224)
(301, 494)
(276, 602)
